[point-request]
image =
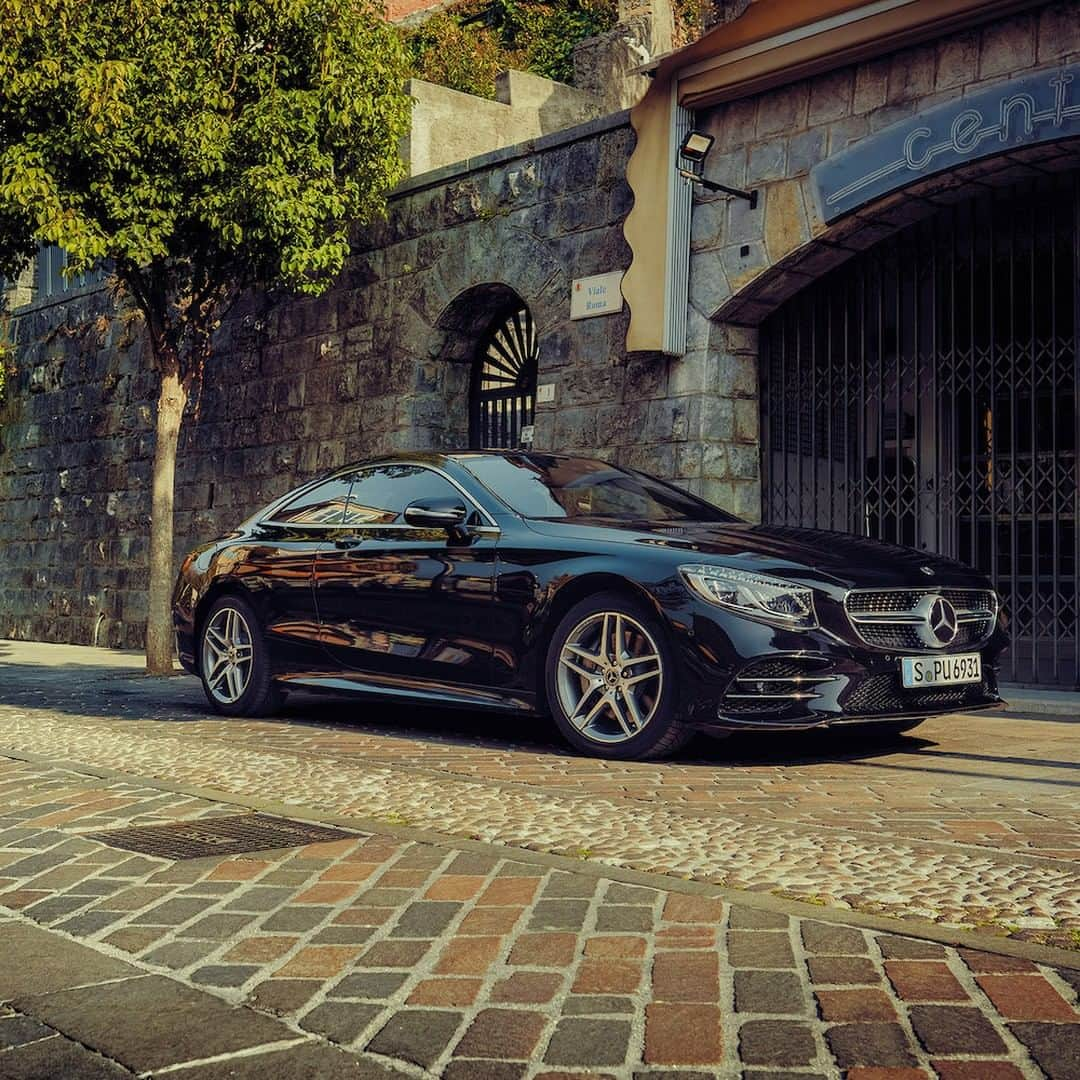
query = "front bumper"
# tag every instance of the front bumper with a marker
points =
(856, 692)
(749, 675)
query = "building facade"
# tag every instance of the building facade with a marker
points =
(908, 275)
(886, 340)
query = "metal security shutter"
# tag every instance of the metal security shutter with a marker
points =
(925, 393)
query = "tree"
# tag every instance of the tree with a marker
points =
(196, 147)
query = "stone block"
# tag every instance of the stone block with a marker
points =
(582, 210)
(707, 224)
(620, 202)
(743, 462)
(782, 110)
(957, 60)
(688, 374)
(621, 423)
(890, 114)
(646, 377)
(831, 96)
(733, 124)
(740, 340)
(575, 429)
(667, 420)
(717, 419)
(805, 150)
(1056, 31)
(659, 459)
(871, 85)
(708, 283)
(1009, 45)
(747, 500)
(768, 161)
(747, 421)
(911, 73)
(737, 375)
(786, 226)
(688, 460)
(720, 492)
(741, 268)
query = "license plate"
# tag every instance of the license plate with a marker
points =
(919, 671)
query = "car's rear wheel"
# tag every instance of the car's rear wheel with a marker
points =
(234, 661)
(610, 680)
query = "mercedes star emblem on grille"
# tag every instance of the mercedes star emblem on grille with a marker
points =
(941, 621)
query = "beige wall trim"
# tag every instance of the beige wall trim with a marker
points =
(789, 37)
(646, 226)
(833, 42)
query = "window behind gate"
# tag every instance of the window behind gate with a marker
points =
(503, 393)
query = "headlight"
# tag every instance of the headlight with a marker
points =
(755, 595)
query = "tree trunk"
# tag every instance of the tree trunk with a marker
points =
(159, 631)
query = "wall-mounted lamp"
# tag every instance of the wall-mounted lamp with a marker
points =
(695, 148)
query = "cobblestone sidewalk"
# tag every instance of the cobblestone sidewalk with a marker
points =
(974, 823)
(476, 964)
(964, 885)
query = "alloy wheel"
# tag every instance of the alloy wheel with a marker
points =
(610, 677)
(228, 655)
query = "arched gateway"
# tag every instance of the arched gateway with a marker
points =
(502, 395)
(925, 392)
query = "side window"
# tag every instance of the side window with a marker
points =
(379, 496)
(324, 504)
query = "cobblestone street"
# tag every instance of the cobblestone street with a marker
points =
(548, 930)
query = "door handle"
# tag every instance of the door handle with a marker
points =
(348, 543)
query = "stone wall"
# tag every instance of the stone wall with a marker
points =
(744, 261)
(299, 386)
(449, 126)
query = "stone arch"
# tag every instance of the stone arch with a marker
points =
(442, 413)
(835, 244)
(485, 268)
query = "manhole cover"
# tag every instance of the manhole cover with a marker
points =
(217, 836)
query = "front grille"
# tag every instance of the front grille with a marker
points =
(888, 618)
(774, 685)
(886, 694)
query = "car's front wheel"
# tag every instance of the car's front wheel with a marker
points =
(611, 683)
(234, 661)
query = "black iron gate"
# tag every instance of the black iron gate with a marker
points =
(504, 382)
(926, 393)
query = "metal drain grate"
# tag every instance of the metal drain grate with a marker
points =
(218, 836)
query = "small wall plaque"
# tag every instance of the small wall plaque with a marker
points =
(600, 294)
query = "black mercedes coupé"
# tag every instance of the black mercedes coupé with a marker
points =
(629, 610)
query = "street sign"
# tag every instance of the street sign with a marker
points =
(600, 294)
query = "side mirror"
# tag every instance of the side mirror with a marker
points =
(449, 514)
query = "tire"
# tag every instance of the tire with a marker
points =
(595, 692)
(247, 689)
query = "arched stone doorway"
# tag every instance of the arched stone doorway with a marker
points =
(926, 391)
(487, 368)
(502, 392)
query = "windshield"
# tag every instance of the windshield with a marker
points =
(549, 487)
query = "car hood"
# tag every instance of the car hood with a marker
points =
(816, 556)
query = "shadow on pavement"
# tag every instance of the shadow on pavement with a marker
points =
(121, 693)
